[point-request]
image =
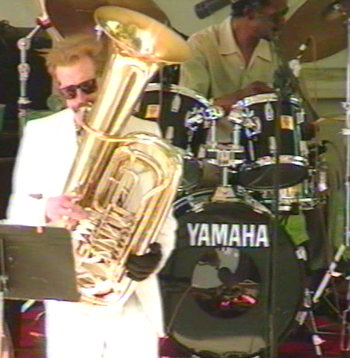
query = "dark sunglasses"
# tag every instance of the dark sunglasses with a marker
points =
(70, 92)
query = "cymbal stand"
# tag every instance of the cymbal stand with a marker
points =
(345, 326)
(24, 45)
(329, 274)
(345, 332)
(308, 313)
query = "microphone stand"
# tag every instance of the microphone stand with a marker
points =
(345, 336)
(281, 84)
(24, 45)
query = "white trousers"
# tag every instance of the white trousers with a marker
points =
(74, 331)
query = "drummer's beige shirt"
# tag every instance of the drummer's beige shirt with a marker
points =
(218, 68)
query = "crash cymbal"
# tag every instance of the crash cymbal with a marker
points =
(338, 118)
(321, 24)
(70, 17)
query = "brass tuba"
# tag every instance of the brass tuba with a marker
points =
(109, 168)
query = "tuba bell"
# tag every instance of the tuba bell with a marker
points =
(108, 167)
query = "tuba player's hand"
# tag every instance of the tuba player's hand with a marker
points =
(141, 266)
(64, 208)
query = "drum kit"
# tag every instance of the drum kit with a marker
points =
(234, 262)
(235, 265)
(219, 271)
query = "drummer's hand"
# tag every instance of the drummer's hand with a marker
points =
(254, 88)
(63, 207)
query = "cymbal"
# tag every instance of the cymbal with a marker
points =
(335, 118)
(70, 17)
(319, 23)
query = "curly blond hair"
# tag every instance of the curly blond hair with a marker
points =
(73, 48)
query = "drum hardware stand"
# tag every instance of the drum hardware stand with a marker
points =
(329, 274)
(345, 332)
(290, 72)
(308, 313)
(3, 288)
(24, 45)
(224, 158)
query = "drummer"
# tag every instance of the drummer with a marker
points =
(237, 59)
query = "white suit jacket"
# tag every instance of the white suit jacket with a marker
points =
(46, 154)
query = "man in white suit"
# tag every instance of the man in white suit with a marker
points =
(45, 157)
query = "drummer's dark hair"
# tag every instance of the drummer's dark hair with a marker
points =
(238, 6)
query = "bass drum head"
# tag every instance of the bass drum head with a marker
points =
(216, 285)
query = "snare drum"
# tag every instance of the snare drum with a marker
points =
(259, 142)
(216, 284)
(182, 115)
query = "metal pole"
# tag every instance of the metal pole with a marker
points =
(3, 287)
(24, 45)
(344, 341)
(346, 132)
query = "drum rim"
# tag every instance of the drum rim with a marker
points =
(284, 159)
(248, 200)
(179, 90)
(267, 161)
(263, 98)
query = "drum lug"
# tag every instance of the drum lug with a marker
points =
(194, 119)
(176, 104)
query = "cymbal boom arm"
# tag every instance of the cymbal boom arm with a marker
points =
(290, 83)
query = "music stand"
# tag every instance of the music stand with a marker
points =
(36, 266)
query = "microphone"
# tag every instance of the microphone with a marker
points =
(206, 8)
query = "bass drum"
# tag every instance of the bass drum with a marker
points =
(216, 285)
